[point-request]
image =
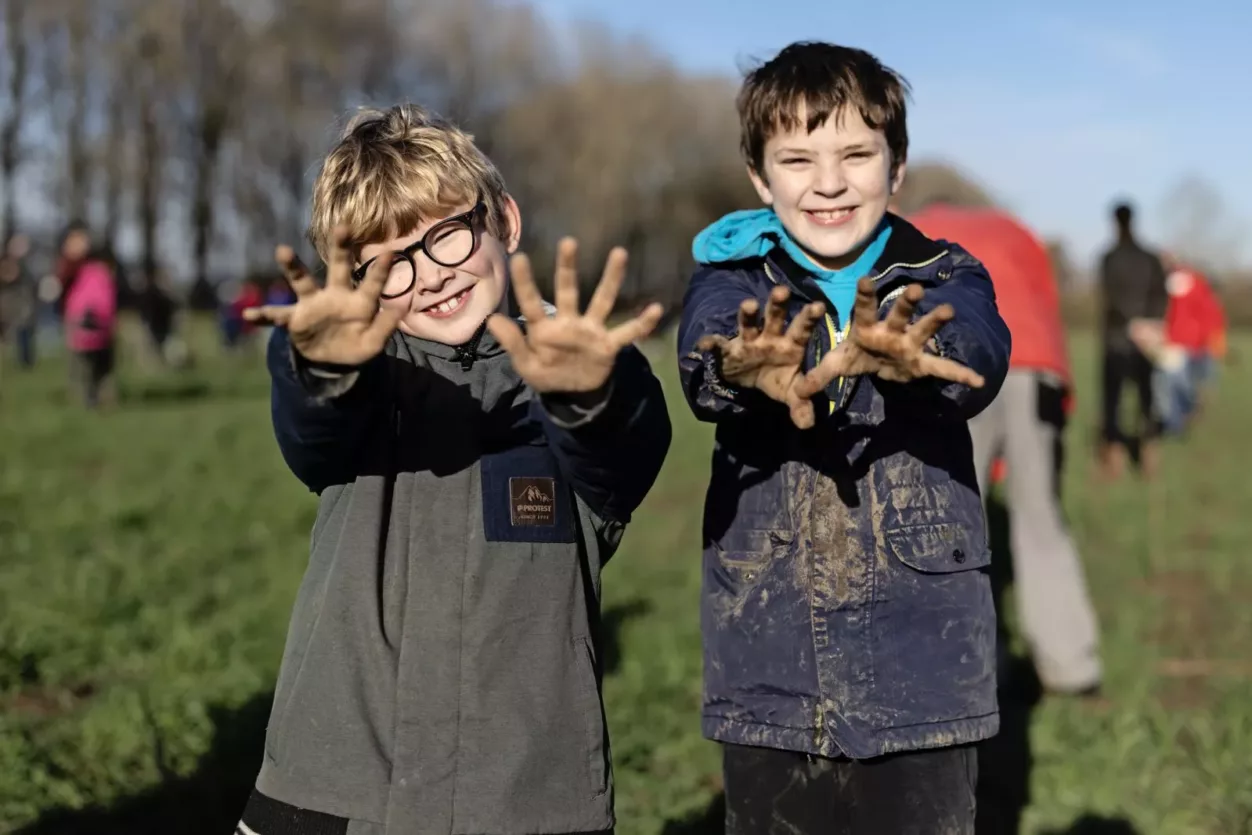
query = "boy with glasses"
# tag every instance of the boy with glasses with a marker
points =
(442, 670)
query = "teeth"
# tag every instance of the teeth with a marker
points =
(449, 305)
(831, 214)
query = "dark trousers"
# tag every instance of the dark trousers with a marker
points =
(1122, 365)
(771, 792)
(267, 816)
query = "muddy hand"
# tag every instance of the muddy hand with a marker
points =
(336, 324)
(893, 348)
(570, 352)
(768, 357)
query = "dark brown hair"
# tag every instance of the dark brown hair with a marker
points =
(819, 79)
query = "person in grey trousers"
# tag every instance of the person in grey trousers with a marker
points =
(1024, 428)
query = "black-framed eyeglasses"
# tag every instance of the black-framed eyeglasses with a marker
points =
(449, 243)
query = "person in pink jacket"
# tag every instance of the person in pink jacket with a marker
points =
(90, 318)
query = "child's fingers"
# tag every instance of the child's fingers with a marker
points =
(277, 315)
(749, 328)
(946, 369)
(529, 302)
(605, 296)
(565, 290)
(637, 329)
(817, 379)
(297, 275)
(776, 311)
(925, 328)
(510, 336)
(714, 342)
(339, 268)
(905, 306)
(376, 276)
(802, 414)
(801, 329)
(865, 308)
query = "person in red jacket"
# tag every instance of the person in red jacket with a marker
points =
(1024, 427)
(1195, 339)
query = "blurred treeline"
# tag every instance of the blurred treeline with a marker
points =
(187, 132)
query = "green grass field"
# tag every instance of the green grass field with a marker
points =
(149, 557)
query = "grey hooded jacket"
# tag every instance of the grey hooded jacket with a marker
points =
(442, 668)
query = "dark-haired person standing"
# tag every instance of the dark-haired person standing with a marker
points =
(1132, 289)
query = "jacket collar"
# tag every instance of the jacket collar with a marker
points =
(907, 252)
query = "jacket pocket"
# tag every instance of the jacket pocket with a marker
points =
(593, 714)
(744, 555)
(526, 497)
(943, 548)
(932, 629)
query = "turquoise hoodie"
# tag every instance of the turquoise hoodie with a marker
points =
(754, 233)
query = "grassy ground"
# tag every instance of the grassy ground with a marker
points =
(149, 557)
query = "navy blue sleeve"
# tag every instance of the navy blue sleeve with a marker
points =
(976, 337)
(711, 308)
(322, 413)
(614, 457)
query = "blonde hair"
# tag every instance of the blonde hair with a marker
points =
(393, 169)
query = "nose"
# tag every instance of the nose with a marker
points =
(431, 277)
(830, 179)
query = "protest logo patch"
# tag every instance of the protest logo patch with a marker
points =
(532, 501)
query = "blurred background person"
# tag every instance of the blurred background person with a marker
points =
(19, 303)
(1132, 291)
(1024, 427)
(89, 313)
(1194, 338)
(157, 311)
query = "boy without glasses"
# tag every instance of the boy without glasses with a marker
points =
(848, 623)
(442, 669)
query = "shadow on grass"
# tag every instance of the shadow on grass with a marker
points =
(611, 622)
(207, 802)
(1095, 825)
(1005, 761)
(165, 391)
(712, 821)
(210, 800)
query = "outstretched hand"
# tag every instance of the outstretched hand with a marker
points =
(337, 324)
(569, 352)
(893, 348)
(769, 358)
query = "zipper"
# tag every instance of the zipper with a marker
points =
(819, 725)
(467, 353)
(901, 265)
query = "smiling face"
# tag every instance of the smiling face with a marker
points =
(447, 304)
(829, 187)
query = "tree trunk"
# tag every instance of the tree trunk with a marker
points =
(10, 132)
(114, 170)
(149, 183)
(78, 163)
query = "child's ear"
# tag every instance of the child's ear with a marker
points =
(897, 176)
(761, 185)
(513, 216)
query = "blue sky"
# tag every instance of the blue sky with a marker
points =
(1059, 108)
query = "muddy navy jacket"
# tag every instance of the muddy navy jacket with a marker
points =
(846, 606)
(442, 668)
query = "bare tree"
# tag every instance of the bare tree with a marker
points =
(17, 81)
(1200, 227)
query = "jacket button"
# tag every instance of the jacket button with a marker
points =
(958, 555)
